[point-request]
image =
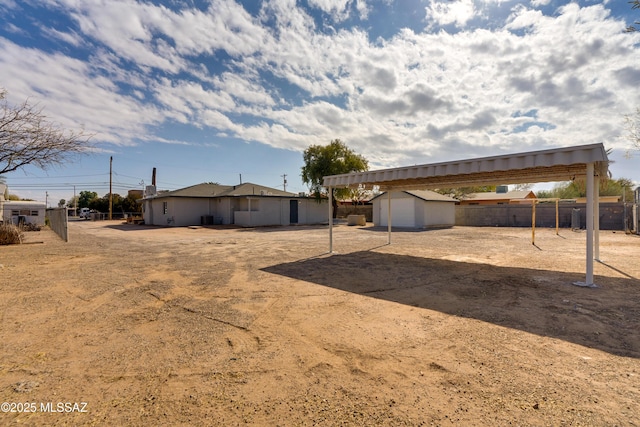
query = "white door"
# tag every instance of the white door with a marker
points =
(403, 212)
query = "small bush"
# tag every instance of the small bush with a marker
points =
(30, 227)
(10, 234)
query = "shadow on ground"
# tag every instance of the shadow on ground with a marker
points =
(541, 302)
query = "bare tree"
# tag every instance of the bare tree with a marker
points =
(635, 4)
(632, 125)
(28, 138)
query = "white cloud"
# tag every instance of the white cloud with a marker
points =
(457, 12)
(69, 94)
(339, 9)
(363, 9)
(71, 38)
(408, 99)
(538, 3)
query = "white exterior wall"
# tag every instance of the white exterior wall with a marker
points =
(255, 212)
(181, 211)
(412, 212)
(312, 212)
(187, 211)
(265, 211)
(23, 206)
(277, 211)
(402, 210)
(438, 214)
(221, 209)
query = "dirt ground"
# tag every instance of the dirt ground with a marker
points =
(138, 325)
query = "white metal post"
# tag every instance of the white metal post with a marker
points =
(590, 193)
(330, 220)
(389, 217)
(596, 216)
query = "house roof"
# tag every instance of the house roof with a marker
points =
(199, 190)
(561, 164)
(492, 195)
(13, 203)
(426, 195)
(206, 190)
(249, 189)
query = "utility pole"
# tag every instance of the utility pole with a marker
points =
(240, 179)
(46, 199)
(110, 187)
(75, 201)
(284, 177)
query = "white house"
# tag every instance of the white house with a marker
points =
(246, 205)
(16, 211)
(414, 209)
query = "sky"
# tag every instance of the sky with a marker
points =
(228, 91)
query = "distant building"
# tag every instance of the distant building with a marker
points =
(414, 209)
(502, 196)
(245, 205)
(20, 211)
(136, 194)
(601, 199)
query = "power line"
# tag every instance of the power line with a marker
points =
(59, 176)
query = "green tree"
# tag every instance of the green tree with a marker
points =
(61, 203)
(333, 159)
(462, 193)
(578, 188)
(85, 198)
(130, 204)
(120, 204)
(28, 138)
(71, 203)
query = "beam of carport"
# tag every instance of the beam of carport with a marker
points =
(560, 164)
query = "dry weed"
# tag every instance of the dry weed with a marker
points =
(10, 234)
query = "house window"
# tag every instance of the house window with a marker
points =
(25, 212)
(34, 213)
(165, 208)
(15, 212)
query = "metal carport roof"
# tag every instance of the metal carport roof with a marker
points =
(561, 164)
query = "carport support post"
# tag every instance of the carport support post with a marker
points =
(533, 222)
(330, 220)
(596, 216)
(389, 217)
(557, 219)
(590, 211)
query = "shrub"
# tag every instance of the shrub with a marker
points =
(10, 234)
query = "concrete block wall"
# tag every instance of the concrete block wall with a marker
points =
(611, 215)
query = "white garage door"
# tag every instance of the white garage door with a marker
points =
(402, 213)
